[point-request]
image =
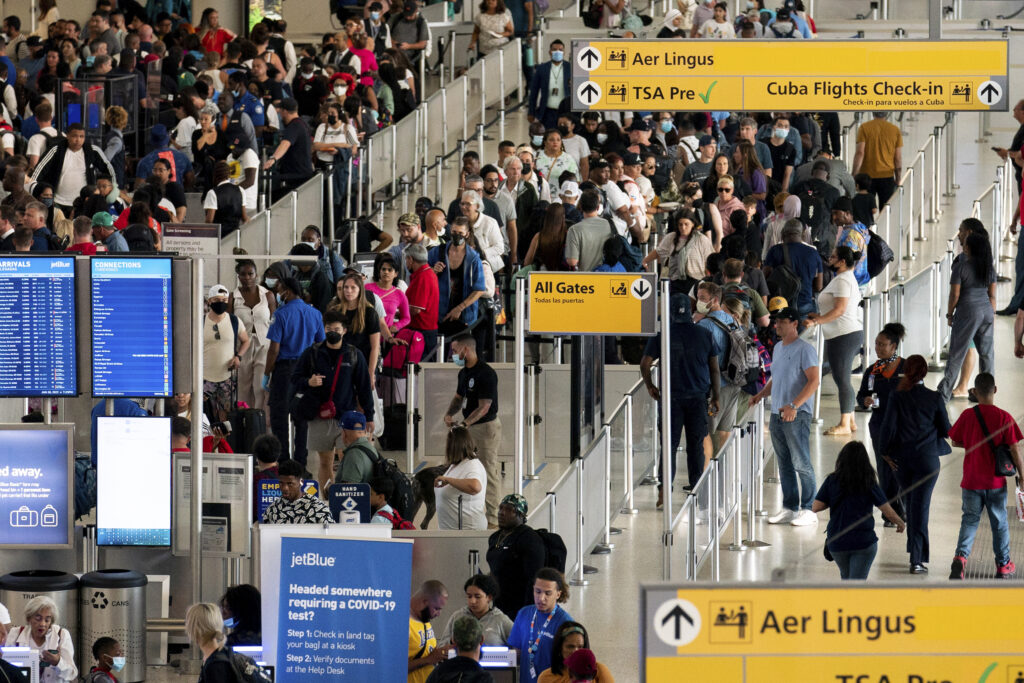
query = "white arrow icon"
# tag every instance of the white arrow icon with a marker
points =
(990, 92)
(589, 93)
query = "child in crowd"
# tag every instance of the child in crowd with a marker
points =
(612, 254)
(110, 659)
(865, 204)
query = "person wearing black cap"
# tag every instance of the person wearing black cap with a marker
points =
(640, 140)
(411, 35)
(292, 161)
(854, 235)
(376, 28)
(694, 376)
(296, 327)
(160, 148)
(795, 378)
(549, 85)
(699, 170)
(818, 185)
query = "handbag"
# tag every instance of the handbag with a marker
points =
(327, 409)
(1004, 466)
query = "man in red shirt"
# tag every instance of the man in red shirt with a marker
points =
(82, 239)
(981, 487)
(423, 296)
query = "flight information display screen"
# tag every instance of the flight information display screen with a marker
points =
(37, 326)
(132, 352)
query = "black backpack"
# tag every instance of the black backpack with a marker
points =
(812, 210)
(783, 280)
(631, 258)
(555, 552)
(879, 254)
(402, 499)
(247, 669)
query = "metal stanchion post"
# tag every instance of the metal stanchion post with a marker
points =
(480, 135)
(348, 188)
(295, 216)
(394, 161)
(951, 186)
(520, 331)
(898, 277)
(981, 128)
(501, 93)
(329, 180)
(714, 500)
(737, 540)
(410, 417)
(920, 178)
(910, 255)
(364, 169)
(887, 211)
(754, 486)
(369, 176)
(937, 318)
(557, 350)
(819, 347)
(577, 579)
(868, 337)
(444, 128)
(465, 112)
(627, 440)
(438, 169)
(606, 545)
(666, 433)
(530, 473)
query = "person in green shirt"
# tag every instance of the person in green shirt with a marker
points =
(359, 455)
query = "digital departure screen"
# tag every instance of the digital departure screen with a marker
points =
(131, 327)
(37, 326)
(133, 481)
(35, 486)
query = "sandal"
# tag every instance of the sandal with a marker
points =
(837, 431)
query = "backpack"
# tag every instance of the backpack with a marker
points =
(402, 499)
(766, 368)
(396, 520)
(812, 211)
(879, 254)
(555, 552)
(783, 280)
(247, 669)
(398, 355)
(779, 34)
(631, 257)
(743, 366)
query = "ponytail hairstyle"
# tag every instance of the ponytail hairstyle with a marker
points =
(894, 332)
(915, 369)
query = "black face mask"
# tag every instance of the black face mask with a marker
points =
(526, 169)
(332, 337)
(563, 130)
(219, 307)
(332, 119)
(457, 239)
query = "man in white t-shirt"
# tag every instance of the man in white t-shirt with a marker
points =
(37, 143)
(245, 174)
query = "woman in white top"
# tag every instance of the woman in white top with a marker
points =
(492, 27)
(612, 11)
(181, 405)
(334, 134)
(188, 121)
(254, 306)
(465, 480)
(684, 250)
(222, 352)
(42, 633)
(485, 230)
(47, 15)
(843, 328)
(553, 161)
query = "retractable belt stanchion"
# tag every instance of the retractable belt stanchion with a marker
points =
(520, 332)
(666, 433)
(737, 522)
(630, 507)
(753, 480)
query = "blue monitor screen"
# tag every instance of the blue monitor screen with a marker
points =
(34, 500)
(37, 326)
(131, 327)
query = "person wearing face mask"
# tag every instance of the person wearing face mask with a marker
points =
(254, 305)
(574, 145)
(477, 399)
(240, 608)
(309, 88)
(245, 101)
(549, 86)
(110, 659)
(553, 160)
(292, 159)
(224, 203)
(783, 153)
(376, 28)
(525, 197)
(460, 280)
(225, 342)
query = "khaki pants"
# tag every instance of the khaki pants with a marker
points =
(487, 437)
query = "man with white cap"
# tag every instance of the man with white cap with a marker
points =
(224, 344)
(569, 193)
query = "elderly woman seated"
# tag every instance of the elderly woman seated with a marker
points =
(42, 632)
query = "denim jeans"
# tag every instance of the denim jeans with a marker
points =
(993, 500)
(855, 564)
(791, 441)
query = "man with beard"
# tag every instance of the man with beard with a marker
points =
(424, 653)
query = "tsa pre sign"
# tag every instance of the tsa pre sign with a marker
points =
(883, 633)
(592, 303)
(343, 610)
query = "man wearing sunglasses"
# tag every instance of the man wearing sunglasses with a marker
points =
(224, 344)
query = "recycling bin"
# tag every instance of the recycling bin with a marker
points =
(17, 588)
(112, 603)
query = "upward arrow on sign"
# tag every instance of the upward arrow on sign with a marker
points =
(677, 613)
(590, 57)
(990, 93)
(589, 93)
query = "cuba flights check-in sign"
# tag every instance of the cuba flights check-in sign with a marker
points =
(592, 303)
(820, 75)
(888, 633)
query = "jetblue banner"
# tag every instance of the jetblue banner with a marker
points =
(343, 610)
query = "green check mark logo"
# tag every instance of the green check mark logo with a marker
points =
(707, 96)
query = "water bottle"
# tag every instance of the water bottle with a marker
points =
(529, 53)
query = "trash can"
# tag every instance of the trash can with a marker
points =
(17, 588)
(113, 604)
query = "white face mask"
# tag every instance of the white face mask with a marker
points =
(311, 244)
(340, 90)
(602, 138)
(703, 307)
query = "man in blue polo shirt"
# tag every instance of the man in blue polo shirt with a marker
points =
(296, 326)
(694, 374)
(246, 102)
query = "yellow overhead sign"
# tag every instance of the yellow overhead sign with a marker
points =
(888, 632)
(591, 303)
(851, 75)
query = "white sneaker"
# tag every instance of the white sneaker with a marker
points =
(804, 518)
(781, 517)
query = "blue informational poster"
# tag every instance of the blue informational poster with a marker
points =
(270, 490)
(350, 503)
(34, 500)
(343, 610)
(132, 348)
(37, 326)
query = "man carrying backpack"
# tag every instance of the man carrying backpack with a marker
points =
(515, 552)
(726, 334)
(358, 455)
(790, 263)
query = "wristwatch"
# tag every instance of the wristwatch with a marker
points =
(792, 405)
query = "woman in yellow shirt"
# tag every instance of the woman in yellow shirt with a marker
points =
(570, 637)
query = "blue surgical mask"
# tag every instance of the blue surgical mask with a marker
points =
(118, 663)
(230, 622)
(271, 282)
(280, 301)
(557, 56)
(459, 361)
(48, 201)
(750, 5)
(537, 140)
(666, 126)
(780, 133)
(375, 16)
